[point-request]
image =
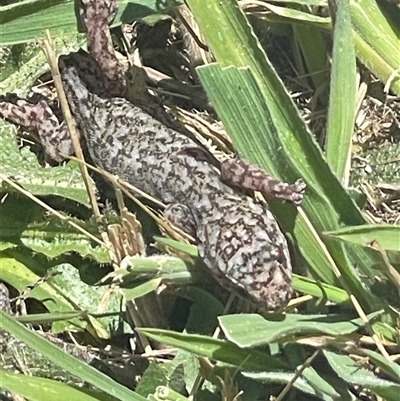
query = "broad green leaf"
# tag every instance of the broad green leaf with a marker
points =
(155, 375)
(204, 311)
(297, 355)
(51, 237)
(66, 361)
(251, 330)
(28, 20)
(386, 330)
(62, 242)
(319, 381)
(342, 101)
(219, 350)
(56, 295)
(23, 167)
(20, 277)
(353, 373)
(387, 235)
(40, 389)
(88, 298)
(191, 368)
(27, 224)
(177, 374)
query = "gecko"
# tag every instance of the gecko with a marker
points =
(238, 238)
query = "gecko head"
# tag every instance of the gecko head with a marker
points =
(263, 272)
(271, 288)
(243, 244)
(266, 275)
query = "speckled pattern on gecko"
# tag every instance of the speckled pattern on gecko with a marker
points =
(237, 237)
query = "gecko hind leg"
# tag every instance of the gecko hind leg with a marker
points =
(54, 136)
(182, 217)
(96, 16)
(243, 174)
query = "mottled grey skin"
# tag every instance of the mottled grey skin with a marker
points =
(238, 238)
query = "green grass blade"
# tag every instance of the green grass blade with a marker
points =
(286, 14)
(40, 389)
(378, 64)
(320, 290)
(66, 361)
(217, 349)
(45, 318)
(342, 102)
(191, 250)
(387, 235)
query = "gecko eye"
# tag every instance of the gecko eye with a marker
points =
(277, 253)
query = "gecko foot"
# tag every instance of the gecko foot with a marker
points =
(102, 11)
(54, 136)
(242, 174)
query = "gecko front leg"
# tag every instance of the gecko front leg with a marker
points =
(54, 136)
(243, 174)
(103, 75)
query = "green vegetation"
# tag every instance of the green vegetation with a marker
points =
(337, 339)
